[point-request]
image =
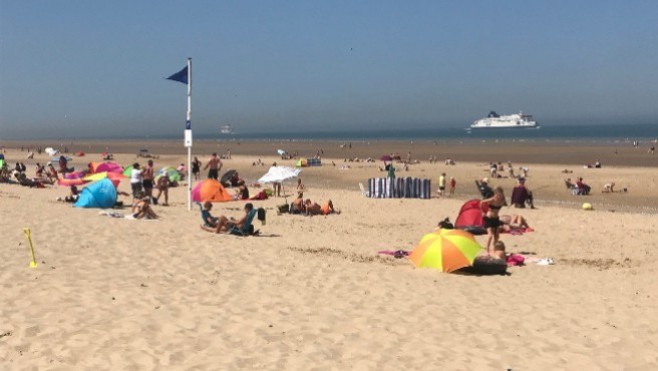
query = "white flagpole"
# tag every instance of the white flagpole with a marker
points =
(188, 129)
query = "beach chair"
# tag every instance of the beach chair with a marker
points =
(247, 229)
(363, 190)
(575, 191)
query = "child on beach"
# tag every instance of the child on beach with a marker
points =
(499, 251)
(300, 188)
(208, 220)
(453, 185)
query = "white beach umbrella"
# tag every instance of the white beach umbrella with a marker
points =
(51, 151)
(278, 174)
(281, 152)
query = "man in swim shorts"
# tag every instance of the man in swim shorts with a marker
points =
(214, 165)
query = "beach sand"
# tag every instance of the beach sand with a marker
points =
(312, 292)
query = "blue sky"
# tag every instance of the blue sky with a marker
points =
(82, 68)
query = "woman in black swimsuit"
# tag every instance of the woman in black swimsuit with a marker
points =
(196, 168)
(491, 219)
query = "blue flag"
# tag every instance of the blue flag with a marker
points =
(180, 76)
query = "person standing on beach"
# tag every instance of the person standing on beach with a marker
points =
(147, 179)
(491, 218)
(214, 165)
(300, 188)
(196, 168)
(136, 180)
(442, 184)
(453, 185)
(163, 187)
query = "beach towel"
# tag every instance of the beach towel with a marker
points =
(515, 259)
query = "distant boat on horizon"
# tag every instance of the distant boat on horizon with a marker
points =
(226, 129)
(496, 121)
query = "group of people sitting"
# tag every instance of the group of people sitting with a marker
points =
(223, 224)
(578, 188)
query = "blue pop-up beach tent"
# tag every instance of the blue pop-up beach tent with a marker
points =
(101, 194)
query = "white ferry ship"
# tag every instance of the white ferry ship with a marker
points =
(495, 121)
(226, 129)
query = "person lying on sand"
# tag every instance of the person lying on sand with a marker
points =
(224, 224)
(511, 222)
(297, 206)
(311, 208)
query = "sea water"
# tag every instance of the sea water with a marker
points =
(596, 133)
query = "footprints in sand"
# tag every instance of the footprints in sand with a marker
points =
(346, 255)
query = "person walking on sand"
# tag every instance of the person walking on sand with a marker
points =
(491, 218)
(214, 165)
(453, 185)
(196, 168)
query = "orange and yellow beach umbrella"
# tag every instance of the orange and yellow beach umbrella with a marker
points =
(446, 250)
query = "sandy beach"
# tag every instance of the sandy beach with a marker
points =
(313, 293)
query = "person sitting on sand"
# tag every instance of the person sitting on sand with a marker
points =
(297, 206)
(243, 191)
(182, 170)
(52, 173)
(73, 196)
(491, 219)
(583, 188)
(224, 224)
(608, 188)
(483, 187)
(522, 195)
(40, 170)
(499, 251)
(63, 165)
(142, 208)
(209, 220)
